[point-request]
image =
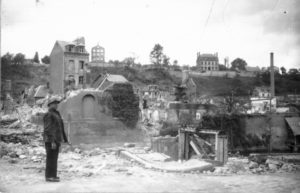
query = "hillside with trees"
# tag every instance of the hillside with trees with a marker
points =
(22, 75)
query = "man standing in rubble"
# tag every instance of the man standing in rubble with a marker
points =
(54, 134)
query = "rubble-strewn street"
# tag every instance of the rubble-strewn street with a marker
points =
(101, 170)
(149, 96)
(86, 169)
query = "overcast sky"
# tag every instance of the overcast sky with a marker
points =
(249, 29)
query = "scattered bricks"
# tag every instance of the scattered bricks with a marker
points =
(129, 145)
(19, 152)
(255, 171)
(208, 172)
(260, 159)
(275, 162)
(94, 152)
(89, 166)
(36, 159)
(5, 157)
(253, 165)
(3, 151)
(13, 161)
(218, 170)
(121, 170)
(77, 150)
(22, 156)
(88, 174)
(272, 167)
(12, 154)
(288, 167)
(262, 168)
(147, 149)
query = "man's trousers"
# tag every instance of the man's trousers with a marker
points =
(51, 160)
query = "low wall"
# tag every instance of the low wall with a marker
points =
(166, 145)
(87, 121)
(102, 134)
(258, 126)
(228, 74)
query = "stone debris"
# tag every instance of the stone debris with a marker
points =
(243, 165)
(253, 165)
(121, 170)
(21, 140)
(129, 145)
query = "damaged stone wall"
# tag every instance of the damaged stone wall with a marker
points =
(249, 133)
(89, 119)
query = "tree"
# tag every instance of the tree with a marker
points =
(36, 58)
(19, 59)
(293, 71)
(46, 59)
(129, 61)
(156, 55)
(175, 63)
(166, 60)
(222, 67)
(7, 59)
(283, 70)
(238, 64)
(180, 93)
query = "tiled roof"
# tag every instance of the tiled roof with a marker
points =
(101, 81)
(294, 123)
(252, 69)
(208, 55)
(116, 78)
(76, 42)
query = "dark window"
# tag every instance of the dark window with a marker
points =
(80, 49)
(80, 79)
(145, 106)
(81, 63)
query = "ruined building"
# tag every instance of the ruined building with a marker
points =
(68, 66)
(207, 62)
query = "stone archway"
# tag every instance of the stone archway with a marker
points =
(88, 107)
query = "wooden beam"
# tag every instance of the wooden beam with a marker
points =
(216, 146)
(195, 148)
(200, 139)
(181, 142)
(186, 145)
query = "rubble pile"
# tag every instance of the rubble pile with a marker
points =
(19, 137)
(244, 165)
(31, 152)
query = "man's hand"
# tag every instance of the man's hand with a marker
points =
(68, 142)
(53, 145)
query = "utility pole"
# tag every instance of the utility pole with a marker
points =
(0, 54)
(272, 75)
(272, 83)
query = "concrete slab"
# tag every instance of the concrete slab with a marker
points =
(172, 166)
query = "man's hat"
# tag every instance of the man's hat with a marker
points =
(54, 99)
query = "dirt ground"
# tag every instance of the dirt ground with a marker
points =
(105, 172)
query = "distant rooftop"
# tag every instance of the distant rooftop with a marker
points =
(77, 42)
(97, 46)
(252, 69)
(208, 55)
(116, 78)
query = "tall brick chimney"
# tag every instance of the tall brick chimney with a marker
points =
(272, 81)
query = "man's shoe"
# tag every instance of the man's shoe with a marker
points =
(57, 178)
(52, 179)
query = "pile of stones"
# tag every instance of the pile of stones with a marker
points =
(256, 166)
